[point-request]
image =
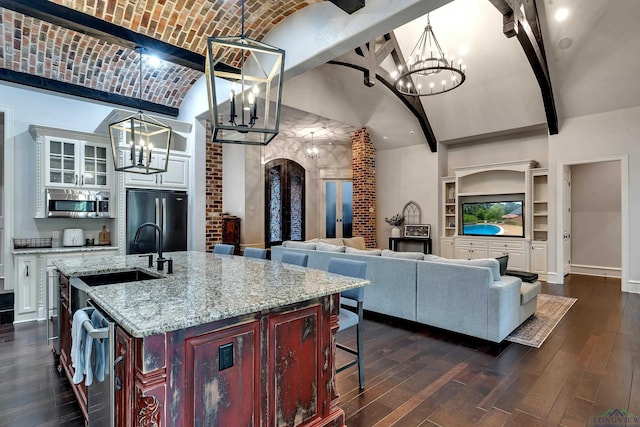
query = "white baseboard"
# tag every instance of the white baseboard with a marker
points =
(631, 286)
(555, 278)
(591, 270)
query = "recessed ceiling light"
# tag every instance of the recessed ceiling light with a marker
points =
(385, 137)
(411, 132)
(565, 43)
(561, 14)
(154, 61)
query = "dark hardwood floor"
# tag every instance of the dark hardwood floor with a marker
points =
(421, 376)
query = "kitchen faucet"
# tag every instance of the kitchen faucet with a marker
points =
(160, 260)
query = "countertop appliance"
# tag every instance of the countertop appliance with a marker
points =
(72, 237)
(167, 209)
(77, 203)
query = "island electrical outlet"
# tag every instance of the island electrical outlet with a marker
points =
(225, 356)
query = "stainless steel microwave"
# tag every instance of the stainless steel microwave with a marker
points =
(78, 204)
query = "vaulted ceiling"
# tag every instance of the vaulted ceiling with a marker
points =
(45, 44)
(591, 58)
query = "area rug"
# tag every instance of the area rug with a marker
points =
(536, 329)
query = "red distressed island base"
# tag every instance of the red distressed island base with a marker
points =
(271, 368)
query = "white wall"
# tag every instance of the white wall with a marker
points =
(526, 146)
(595, 215)
(402, 175)
(602, 137)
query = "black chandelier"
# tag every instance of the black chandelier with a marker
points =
(139, 143)
(428, 71)
(255, 71)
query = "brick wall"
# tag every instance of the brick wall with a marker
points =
(213, 188)
(364, 186)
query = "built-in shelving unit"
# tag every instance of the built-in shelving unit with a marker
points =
(449, 202)
(527, 253)
(540, 205)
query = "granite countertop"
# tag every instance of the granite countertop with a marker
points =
(63, 249)
(203, 288)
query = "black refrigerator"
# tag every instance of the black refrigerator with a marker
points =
(167, 209)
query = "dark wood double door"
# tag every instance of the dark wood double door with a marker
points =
(284, 202)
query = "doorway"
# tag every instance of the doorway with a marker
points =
(338, 208)
(587, 221)
(284, 202)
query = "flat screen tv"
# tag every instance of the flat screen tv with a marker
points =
(493, 218)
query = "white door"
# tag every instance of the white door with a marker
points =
(566, 221)
(338, 203)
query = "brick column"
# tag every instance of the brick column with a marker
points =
(213, 188)
(364, 186)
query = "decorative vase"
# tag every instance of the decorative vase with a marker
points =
(395, 232)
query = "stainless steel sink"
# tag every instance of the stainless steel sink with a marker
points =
(117, 277)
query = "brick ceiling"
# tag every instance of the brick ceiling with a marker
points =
(32, 46)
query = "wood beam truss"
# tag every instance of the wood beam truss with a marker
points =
(368, 58)
(520, 19)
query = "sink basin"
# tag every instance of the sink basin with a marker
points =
(117, 277)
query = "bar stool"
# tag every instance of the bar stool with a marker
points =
(224, 249)
(348, 318)
(297, 258)
(255, 253)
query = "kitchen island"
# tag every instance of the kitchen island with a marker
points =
(222, 341)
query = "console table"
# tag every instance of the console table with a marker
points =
(393, 242)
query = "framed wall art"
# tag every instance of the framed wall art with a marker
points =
(417, 230)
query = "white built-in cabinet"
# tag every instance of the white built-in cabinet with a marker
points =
(69, 159)
(526, 254)
(36, 281)
(76, 164)
(176, 176)
(26, 287)
(539, 258)
(470, 249)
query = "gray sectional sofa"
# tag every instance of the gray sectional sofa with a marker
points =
(465, 296)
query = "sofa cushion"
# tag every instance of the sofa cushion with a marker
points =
(528, 291)
(491, 263)
(374, 252)
(299, 245)
(403, 255)
(354, 242)
(329, 247)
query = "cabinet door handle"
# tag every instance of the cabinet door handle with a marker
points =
(81, 179)
(115, 372)
(27, 271)
(76, 179)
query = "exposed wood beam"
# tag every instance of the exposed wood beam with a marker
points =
(361, 59)
(516, 23)
(86, 24)
(349, 6)
(84, 92)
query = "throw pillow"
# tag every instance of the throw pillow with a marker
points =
(334, 241)
(355, 242)
(503, 260)
(403, 255)
(329, 248)
(374, 252)
(299, 245)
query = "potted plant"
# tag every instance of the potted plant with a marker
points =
(395, 221)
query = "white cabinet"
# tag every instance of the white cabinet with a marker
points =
(518, 255)
(539, 258)
(26, 287)
(446, 248)
(76, 164)
(176, 176)
(470, 249)
(68, 159)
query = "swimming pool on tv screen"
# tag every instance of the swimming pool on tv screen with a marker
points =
(482, 229)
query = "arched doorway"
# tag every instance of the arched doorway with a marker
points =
(284, 202)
